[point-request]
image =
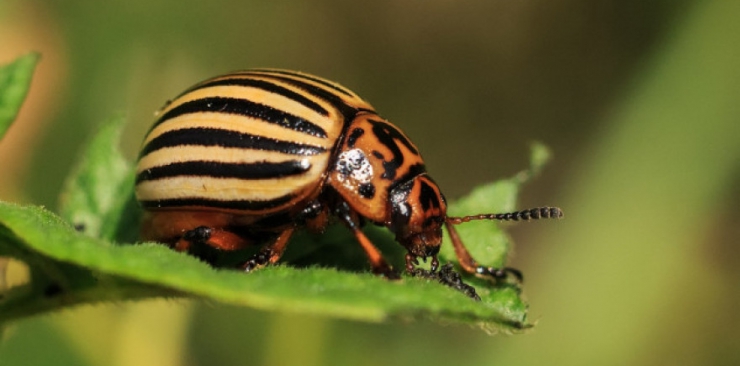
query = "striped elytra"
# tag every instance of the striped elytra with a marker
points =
(249, 157)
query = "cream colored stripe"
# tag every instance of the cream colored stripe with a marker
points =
(260, 96)
(240, 124)
(224, 189)
(184, 153)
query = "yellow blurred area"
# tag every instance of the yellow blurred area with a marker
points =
(30, 28)
(638, 101)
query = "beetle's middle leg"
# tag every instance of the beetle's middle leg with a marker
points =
(314, 216)
(377, 262)
(216, 238)
(187, 230)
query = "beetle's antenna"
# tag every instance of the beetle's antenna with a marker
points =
(530, 214)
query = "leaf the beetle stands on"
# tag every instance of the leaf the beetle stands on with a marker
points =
(87, 255)
(360, 296)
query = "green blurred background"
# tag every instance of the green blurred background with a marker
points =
(639, 101)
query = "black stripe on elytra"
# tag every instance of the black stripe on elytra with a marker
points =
(246, 108)
(390, 136)
(348, 112)
(214, 169)
(200, 136)
(267, 86)
(245, 205)
(307, 77)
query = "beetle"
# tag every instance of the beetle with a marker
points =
(249, 157)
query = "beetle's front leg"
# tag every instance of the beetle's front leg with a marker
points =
(377, 262)
(471, 266)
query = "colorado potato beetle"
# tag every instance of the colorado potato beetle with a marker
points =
(249, 157)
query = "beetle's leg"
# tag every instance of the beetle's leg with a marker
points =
(412, 261)
(271, 253)
(187, 230)
(470, 265)
(315, 217)
(377, 262)
(216, 238)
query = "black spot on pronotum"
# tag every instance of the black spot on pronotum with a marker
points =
(80, 227)
(391, 137)
(400, 208)
(428, 196)
(366, 190)
(353, 136)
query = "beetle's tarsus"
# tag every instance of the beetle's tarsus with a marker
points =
(448, 277)
(435, 264)
(411, 263)
(261, 259)
(500, 273)
(387, 272)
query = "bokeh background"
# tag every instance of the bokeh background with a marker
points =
(639, 101)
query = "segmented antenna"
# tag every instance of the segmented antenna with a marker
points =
(530, 214)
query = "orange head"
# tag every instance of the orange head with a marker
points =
(417, 212)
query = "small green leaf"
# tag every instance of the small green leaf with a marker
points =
(539, 156)
(15, 79)
(485, 240)
(98, 195)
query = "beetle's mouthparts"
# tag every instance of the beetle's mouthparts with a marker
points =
(424, 244)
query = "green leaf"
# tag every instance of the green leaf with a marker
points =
(325, 274)
(484, 239)
(15, 79)
(98, 195)
(134, 270)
